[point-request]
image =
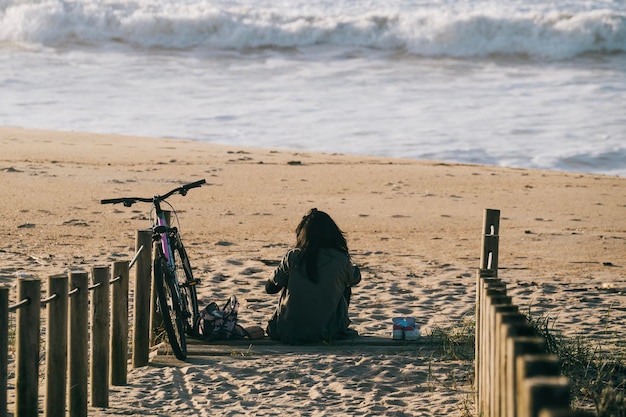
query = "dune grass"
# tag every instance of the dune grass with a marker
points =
(597, 373)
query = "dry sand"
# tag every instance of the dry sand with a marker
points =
(413, 226)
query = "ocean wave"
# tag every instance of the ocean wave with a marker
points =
(426, 29)
(606, 161)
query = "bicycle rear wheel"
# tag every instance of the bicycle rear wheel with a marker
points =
(187, 284)
(170, 308)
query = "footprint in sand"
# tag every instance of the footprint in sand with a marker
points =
(76, 222)
(251, 271)
(10, 169)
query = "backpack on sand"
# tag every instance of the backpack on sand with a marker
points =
(217, 323)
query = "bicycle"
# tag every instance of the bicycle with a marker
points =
(176, 291)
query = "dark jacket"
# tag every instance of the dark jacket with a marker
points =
(311, 311)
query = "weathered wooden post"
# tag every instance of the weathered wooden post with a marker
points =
(119, 324)
(509, 324)
(489, 245)
(511, 331)
(515, 347)
(483, 276)
(100, 336)
(530, 366)
(156, 319)
(143, 294)
(78, 346)
(490, 287)
(56, 346)
(544, 392)
(155, 313)
(27, 341)
(4, 348)
(494, 294)
(499, 306)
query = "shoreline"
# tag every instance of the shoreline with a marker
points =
(311, 151)
(414, 228)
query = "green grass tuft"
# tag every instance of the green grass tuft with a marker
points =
(598, 378)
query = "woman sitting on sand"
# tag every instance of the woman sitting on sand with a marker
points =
(315, 278)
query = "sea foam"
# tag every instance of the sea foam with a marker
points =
(418, 28)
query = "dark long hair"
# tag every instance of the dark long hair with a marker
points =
(317, 230)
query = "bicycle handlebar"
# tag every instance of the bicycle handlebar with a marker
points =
(129, 201)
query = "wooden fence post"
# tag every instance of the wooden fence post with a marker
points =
(515, 347)
(156, 320)
(119, 324)
(483, 276)
(56, 346)
(78, 347)
(489, 243)
(4, 348)
(493, 290)
(515, 336)
(530, 366)
(155, 313)
(27, 342)
(508, 325)
(544, 392)
(143, 281)
(499, 307)
(491, 222)
(494, 297)
(100, 336)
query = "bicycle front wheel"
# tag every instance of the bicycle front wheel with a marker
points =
(170, 307)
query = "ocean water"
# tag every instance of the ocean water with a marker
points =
(534, 83)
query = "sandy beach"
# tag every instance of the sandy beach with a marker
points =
(414, 227)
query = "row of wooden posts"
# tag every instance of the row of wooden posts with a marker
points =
(515, 376)
(77, 329)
